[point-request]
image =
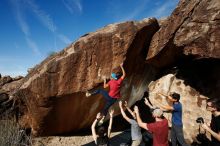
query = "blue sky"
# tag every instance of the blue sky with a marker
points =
(31, 29)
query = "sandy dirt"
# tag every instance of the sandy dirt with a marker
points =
(117, 139)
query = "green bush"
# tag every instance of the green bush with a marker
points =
(52, 53)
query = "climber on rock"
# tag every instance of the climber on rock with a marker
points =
(114, 90)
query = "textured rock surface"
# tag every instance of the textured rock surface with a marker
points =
(5, 80)
(9, 86)
(193, 29)
(188, 45)
(54, 91)
(12, 86)
(194, 104)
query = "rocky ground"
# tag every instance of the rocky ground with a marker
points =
(118, 138)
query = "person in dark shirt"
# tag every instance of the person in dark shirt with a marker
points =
(177, 125)
(213, 105)
(101, 137)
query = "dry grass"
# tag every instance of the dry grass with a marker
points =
(11, 133)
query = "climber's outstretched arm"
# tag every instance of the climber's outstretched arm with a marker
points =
(123, 71)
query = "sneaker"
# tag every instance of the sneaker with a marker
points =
(88, 94)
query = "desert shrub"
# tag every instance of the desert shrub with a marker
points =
(52, 53)
(11, 134)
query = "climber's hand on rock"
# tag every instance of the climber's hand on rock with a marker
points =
(121, 65)
(104, 78)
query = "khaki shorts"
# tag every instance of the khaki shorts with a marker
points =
(136, 142)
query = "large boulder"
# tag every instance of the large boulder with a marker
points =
(189, 40)
(3, 96)
(12, 86)
(7, 100)
(4, 80)
(193, 30)
(54, 91)
(188, 46)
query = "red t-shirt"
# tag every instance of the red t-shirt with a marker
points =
(160, 132)
(114, 86)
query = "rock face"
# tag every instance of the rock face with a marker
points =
(7, 87)
(189, 40)
(54, 91)
(192, 30)
(5, 80)
(188, 46)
